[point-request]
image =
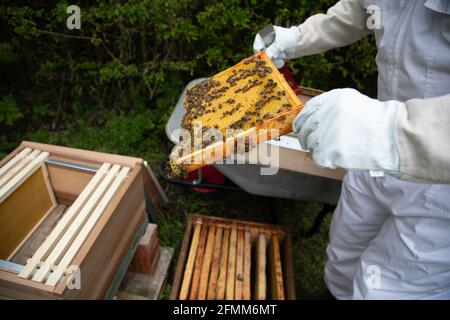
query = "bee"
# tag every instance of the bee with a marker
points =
(281, 119)
(268, 116)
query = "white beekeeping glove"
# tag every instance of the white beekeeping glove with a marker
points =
(344, 128)
(283, 46)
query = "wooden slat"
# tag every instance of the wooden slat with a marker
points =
(21, 163)
(206, 264)
(9, 175)
(198, 263)
(260, 281)
(45, 174)
(213, 277)
(231, 264)
(102, 253)
(20, 177)
(12, 163)
(254, 227)
(276, 272)
(185, 286)
(63, 224)
(222, 281)
(239, 279)
(246, 291)
(70, 234)
(81, 237)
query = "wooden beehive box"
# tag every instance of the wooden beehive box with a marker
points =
(63, 207)
(227, 259)
(234, 110)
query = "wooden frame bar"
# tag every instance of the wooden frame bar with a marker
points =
(229, 293)
(246, 291)
(206, 264)
(239, 279)
(63, 244)
(276, 272)
(56, 234)
(190, 263)
(198, 263)
(18, 167)
(260, 283)
(11, 163)
(212, 287)
(223, 271)
(81, 237)
(28, 170)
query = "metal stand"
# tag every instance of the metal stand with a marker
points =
(326, 209)
(196, 183)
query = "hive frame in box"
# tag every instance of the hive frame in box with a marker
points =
(62, 226)
(102, 251)
(233, 230)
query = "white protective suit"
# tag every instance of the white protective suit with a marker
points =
(390, 238)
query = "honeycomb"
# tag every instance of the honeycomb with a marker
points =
(236, 102)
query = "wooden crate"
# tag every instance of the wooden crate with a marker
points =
(227, 259)
(97, 203)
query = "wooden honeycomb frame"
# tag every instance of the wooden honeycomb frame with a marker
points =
(229, 259)
(243, 113)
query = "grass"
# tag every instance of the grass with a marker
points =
(309, 254)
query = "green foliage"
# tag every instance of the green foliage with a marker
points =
(9, 112)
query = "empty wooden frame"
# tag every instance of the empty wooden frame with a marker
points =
(234, 260)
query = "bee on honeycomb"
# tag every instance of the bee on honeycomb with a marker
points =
(248, 96)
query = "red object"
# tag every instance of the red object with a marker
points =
(290, 79)
(146, 257)
(210, 175)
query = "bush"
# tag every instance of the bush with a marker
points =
(121, 74)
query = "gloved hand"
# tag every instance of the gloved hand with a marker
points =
(283, 46)
(344, 128)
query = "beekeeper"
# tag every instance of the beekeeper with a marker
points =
(390, 233)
